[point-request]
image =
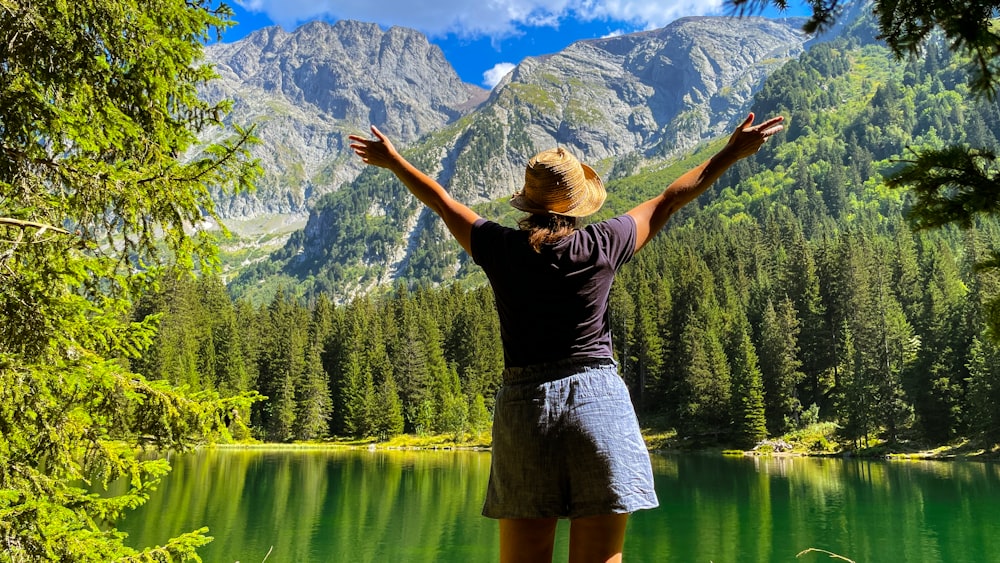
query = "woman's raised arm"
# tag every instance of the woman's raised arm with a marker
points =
(380, 152)
(650, 216)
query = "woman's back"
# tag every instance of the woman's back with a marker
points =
(553, 304)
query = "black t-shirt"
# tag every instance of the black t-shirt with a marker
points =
(553, 305)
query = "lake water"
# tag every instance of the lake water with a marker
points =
(421, 506)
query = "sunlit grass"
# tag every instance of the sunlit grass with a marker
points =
(658, 440)
(960, 449)
(815, 439)
(437, 441)
(819, 437)
(285, 446)
(468, 440)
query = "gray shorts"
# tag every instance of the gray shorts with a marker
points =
(566, 443)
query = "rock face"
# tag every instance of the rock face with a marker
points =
(307, 90)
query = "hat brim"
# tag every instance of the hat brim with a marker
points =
(588, 203)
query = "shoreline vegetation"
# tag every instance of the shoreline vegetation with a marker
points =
(816, 440)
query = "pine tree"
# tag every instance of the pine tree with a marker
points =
(453, 414)
(897, 353)
(906, 273)
(227, 373)
(409, 359)
(703, 382)
(97, 112)
(313, 404)
(984, 390)
(346, 360)
(623, 322)
(852, 411)
(249, 325)
(388, 409)
(280, 422)
(779, 361)
(473, 342)
(649, 366)
(352, 408)
(182, 351)
(800, 281)
(866, 301)
(748, 393)
(479, 416)
(282, 366)
(938, 380)
(444, 386)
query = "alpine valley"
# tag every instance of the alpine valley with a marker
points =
(319, 221)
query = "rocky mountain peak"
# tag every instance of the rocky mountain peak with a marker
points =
(306, 90)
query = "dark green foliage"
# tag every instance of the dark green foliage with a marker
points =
(703, 383)
(421, 362)
(952, 185)
(98, 98)
(198, 343)
(779, 359)
(282, 368)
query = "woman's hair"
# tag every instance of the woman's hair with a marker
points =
(546, 228)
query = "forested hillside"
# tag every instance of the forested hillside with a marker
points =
(795, 291)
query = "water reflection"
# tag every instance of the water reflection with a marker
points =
(768, 509)
(312, 505)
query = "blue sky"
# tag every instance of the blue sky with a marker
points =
(483, 39)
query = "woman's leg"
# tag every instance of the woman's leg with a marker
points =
(527, 540)
(597, 539)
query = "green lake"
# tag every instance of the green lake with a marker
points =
(304, 505)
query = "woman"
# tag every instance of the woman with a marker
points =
(566, 442)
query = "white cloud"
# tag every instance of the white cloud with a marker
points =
(653, 14)
(481, 18)
(493, 75)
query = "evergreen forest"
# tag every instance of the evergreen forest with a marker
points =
(797, 290)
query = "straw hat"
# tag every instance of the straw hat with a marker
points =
(556, 182)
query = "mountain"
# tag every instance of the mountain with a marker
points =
(307, 90)
(619, 103)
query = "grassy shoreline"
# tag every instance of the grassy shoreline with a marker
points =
(813, 441)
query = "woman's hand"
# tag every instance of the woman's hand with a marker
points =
(377, 152)
(748, 138)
